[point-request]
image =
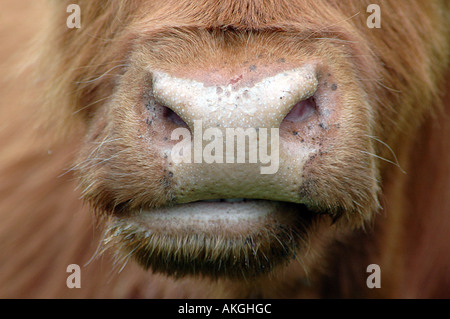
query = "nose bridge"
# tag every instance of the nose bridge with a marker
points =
(235, 104)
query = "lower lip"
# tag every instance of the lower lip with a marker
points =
(231, 216)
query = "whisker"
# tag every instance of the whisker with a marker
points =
(97, 251)
(390, 149)
(105, 159)
(90, 104)
(98, 78)
(387, 88)
(384, 159)
(92, 66)
(89, 158)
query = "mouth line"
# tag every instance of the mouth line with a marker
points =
(226, 200)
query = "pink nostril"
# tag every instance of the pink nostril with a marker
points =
(301, 111)
(173, 117)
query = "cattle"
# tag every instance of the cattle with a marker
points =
(344, 193)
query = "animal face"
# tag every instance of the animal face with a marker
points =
(314, 75)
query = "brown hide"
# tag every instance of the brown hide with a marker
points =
(46, 226)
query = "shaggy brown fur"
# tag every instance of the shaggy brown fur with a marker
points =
(393, 80)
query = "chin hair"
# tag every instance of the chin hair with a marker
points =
(214, 255)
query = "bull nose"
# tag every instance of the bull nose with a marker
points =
(262, 104)
(267, 169)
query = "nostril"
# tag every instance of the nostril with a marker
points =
(173, 117)
(302, 110)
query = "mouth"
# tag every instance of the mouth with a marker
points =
(233, 238)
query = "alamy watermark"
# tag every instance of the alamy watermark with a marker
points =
(228, 145)
(374, 19)
(374, 279)
(74, 19)
(74, 279)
